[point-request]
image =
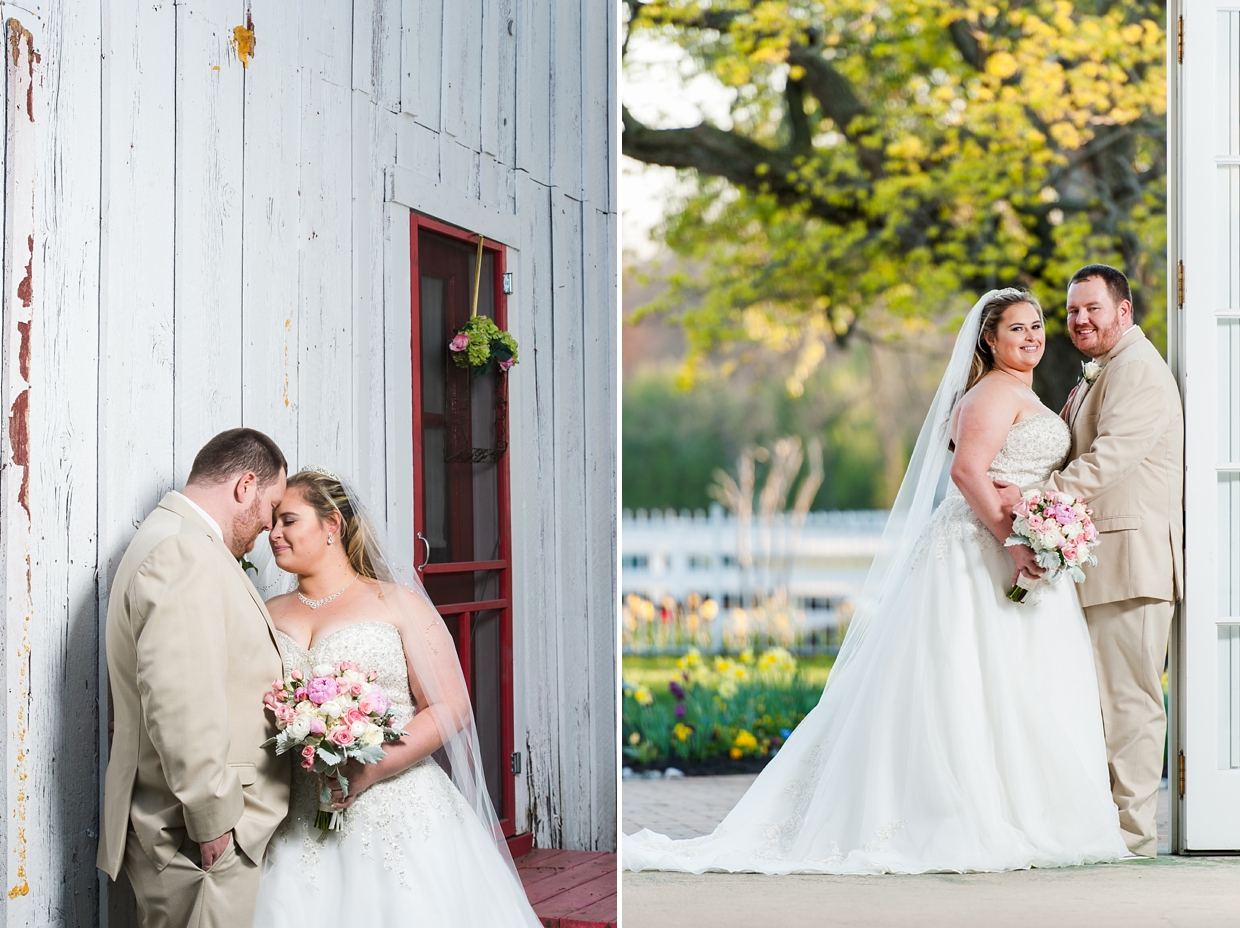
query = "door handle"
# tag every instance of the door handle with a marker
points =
(425, 560)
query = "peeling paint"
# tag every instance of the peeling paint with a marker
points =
(243, 41)
(18, 34)
(19, 440)
(25, 289)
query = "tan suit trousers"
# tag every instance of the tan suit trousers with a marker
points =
(1130, 649)
(183, 895)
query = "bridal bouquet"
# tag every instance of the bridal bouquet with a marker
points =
(337, 714)
(1058, 529)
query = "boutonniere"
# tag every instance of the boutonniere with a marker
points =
(1091, 371)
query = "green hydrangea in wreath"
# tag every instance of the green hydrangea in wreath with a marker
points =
(482, 345)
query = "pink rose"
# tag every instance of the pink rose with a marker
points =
(308, 752)
(505, 365)
(308, 764)
(348, 665)
(321, 689)
(269, 700)
(1091, 533)
(460, 343)
(1069, 552)
(1022, 509)
(374, 702)
(354, 715)
(317, 727)
(372, 676)
(277, 685)
(300, 693)
(355, 689)
(285, 714)
(295, 675)
(341, 737)
(1036, 523)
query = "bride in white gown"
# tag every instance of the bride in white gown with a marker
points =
(959, 731)
(420, 843)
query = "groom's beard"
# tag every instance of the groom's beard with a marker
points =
(248, 526)
(1107, 339)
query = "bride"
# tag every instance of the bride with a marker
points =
(959, 731)
(420, 843)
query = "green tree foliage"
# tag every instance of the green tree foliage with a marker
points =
(886, 163)
(674, 437)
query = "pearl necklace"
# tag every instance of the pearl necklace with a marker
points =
(315, 603)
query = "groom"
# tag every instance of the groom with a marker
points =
(1127, 463)
(191, 798)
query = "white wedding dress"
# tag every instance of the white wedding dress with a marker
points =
(964, 734)
(411, 851)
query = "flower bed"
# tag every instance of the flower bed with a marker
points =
(721, 709)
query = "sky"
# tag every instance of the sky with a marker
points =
(660, 88)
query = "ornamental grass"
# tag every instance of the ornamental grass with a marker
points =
(717, 708)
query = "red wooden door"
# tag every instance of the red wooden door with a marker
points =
(461, 510)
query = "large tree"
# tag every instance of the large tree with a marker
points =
(886, 163)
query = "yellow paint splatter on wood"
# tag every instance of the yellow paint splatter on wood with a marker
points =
(288, 325)
(243, 42)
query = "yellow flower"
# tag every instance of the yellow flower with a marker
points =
(643, 696)
(635, 738)
(682, 731)
(744, 742)
(735, 753)
(727, 689)
(709, 609)
(747, 656)
(722, 665)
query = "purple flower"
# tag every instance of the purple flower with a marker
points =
(321, 689)
(504, 365)
(1064, 515)
(677, 690)
(680, 710)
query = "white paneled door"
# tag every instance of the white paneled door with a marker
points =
(1206, 109)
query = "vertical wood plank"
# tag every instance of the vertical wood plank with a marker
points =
(597, 113)
(398, 396)
(599, 356)
(572, 578)
(325, 420)
(271, 313)
(567, 123)
(207, 263)
(64, 782)
(499, 45)
(421, 91)
(19, 500)
(537, 618)
(462, 72)
(533, 123)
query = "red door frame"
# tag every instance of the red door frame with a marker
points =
(503, 605)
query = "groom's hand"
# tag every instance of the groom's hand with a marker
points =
(1009, 495)
(213, 850)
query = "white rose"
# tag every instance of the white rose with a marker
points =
(304, 706)
(357, 729)
(299, 728)
(323, 670)
(331, 710)
(372, 735)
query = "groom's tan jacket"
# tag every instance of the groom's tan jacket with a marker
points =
(1127, 463)
(191, 650)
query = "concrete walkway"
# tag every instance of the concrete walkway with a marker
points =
(1170, 891)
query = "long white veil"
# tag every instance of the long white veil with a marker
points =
(916, 499)
(432, 659)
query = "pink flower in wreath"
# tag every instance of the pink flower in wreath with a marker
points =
(460, 343)
(506, 364)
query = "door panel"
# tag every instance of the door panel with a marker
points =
(1209, 223)
(461, 485)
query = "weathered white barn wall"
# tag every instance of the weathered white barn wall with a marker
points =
(192, 241)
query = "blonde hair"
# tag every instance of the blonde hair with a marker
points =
(325, 494)
(992, 314)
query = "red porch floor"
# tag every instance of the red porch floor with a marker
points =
(570, 889)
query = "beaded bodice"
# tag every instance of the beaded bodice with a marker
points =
(1035, 446)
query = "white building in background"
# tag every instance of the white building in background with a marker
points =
(822, 566)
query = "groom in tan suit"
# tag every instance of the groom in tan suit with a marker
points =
(1127, 463)
(191, 798)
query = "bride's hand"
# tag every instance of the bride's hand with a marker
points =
(1026, 562)
(360, 778)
